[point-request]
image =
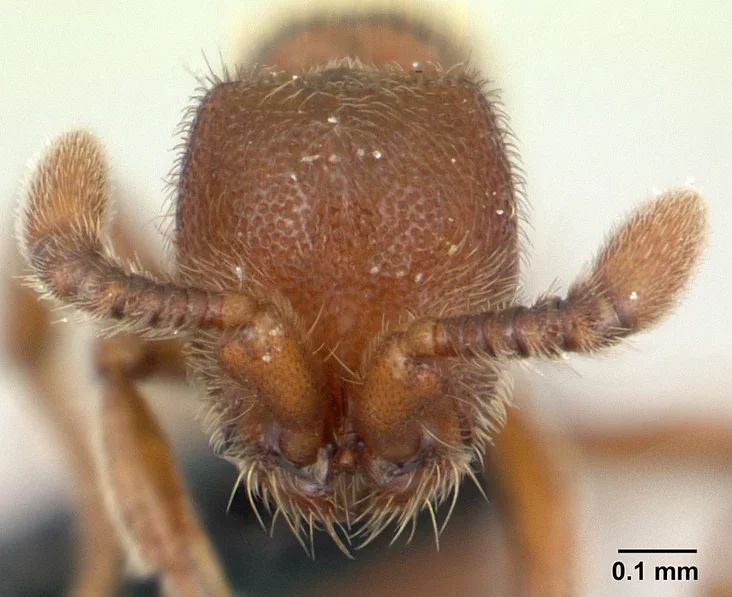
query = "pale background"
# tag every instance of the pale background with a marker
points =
(608, 100)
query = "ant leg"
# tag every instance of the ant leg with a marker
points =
(145, 495)
(536, 496)
(720, 590)
(120, 360)
(708, 442)
(31, 340)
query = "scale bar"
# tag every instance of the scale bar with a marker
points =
(657, 551)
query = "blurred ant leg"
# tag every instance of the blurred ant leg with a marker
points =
(140, 357)
(707, 442)
(31, 339)
(535, 496)
(720, 590)
(145, 495)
